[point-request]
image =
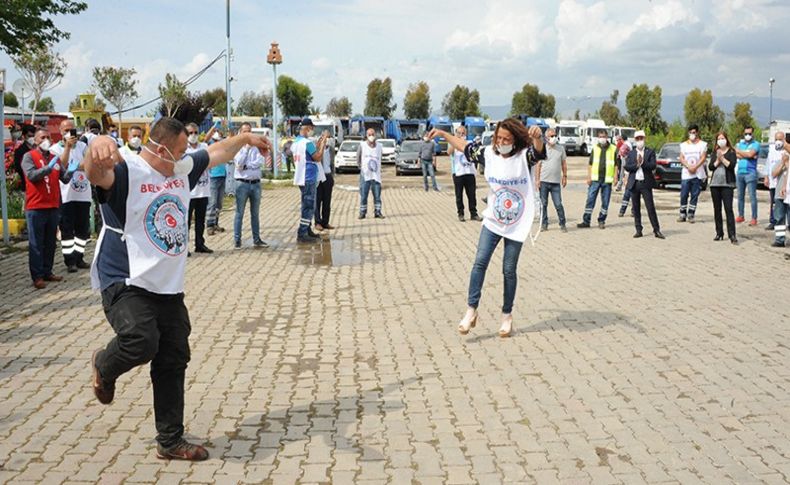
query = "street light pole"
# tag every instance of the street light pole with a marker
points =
(3, 194)
(274, 57)
(771, 101)
(227, 65)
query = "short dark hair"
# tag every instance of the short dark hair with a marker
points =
(748, 127)
(194, 125)
(603, 130)
(694, 127)
(135, 127)
(91, 124)
(166, 129)
(28, 129)
(246, 123)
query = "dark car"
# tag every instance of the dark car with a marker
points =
(762, 171)
(407, 159)
(668, 167)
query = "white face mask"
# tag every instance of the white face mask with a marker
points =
(30, 141)
(181, 167)
(640, 144)
(721, 142)
(216, 136)
(371, 138)
(135, 142)
(45, 145)
(552, 140)
(779, 145)
(692, 136)
(504, 149)
(603, 141)
(192, 139)
(747, 137)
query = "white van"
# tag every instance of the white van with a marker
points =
(590, 131)
(569, 135)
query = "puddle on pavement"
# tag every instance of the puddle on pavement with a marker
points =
(330, 252)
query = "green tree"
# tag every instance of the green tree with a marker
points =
(577, 114)
(741, 118)
(644, 108)
(378, 101)
(532, 102)
(46, 105)
(700, 109)
(417, 102)
(461, 102)
(9, 100)
(99, 104)
(339, 107)
(216, 100)
(191, 109)
(117, 85)
(294, 97)
(609, 111)
(26, 23)
(173, 93)
(42, 69)
(254, 104)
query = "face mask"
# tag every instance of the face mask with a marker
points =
(603, 141)
(504, 149)
(721, 142)
(181, 167)
(552, 140)
(45, 145)
(692, 136)
(135, 142)
(371, 138)
(30, 141)
(640, 144)
(114, 134)
(192, 139)
(747, 137)
(216, 136)
(779, 145)
(16, 135)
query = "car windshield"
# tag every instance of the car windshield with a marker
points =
(444, 127)
(387, 143)
(763, 151)
(410, 146)
(475, 130)
(567, 131)
(349, 146)
(627, 133)
(670, 151)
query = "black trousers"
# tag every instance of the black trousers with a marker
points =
(323, 201)
(722, 196)
(75, 231)
(465, 183)
(643, 192)
(149, 328)
(198, 207)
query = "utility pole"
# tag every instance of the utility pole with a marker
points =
(274, 58)
(771, 101)
(227, 64)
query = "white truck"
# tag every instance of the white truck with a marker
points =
(775, 126)
(331, 125)
(627, 132)
(590, 131)
(569, 135)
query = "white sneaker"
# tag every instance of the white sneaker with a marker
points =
(507, 325)
(468, 322)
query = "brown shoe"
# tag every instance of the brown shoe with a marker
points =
(53, 277)
(183, 450)
(39, 284)
(329, 227)
(103, 392)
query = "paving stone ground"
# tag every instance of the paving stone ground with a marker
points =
(633, 361)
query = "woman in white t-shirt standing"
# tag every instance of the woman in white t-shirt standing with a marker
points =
(510, 211)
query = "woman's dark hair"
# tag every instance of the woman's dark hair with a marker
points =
(521, 139)
(724, 134)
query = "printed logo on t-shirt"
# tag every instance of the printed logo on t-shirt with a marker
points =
(165, 224)
(203, 180)
(508, 206)
(373, 165)
(79, 182)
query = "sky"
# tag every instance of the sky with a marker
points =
(569, 48)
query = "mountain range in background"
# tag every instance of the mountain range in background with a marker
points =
(671, 107)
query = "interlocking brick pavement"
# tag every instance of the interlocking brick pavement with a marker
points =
(633, 361)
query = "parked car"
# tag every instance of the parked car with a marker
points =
(668, 167)
(762, 161)
(387, 151)
(408, 159)
(346, 159)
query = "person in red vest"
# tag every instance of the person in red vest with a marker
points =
(43, 172)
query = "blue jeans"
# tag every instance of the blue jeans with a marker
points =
(743, 181)
(592, 194)
(782, 219)
(485, 249)
(245, 191)
(308, 207)
(216, 194)
(365, 187)
(555, 190)
(42, 228)
(689, 187)
(427, 169)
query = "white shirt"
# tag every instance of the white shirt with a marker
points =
(79, 188)
(640, 174)
(202, 190)
(694, 153)
(248, 162)
(774, 159)
(370, 161)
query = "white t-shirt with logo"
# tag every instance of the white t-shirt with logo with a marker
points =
(202, 190)
(694, 153)
(511, 202)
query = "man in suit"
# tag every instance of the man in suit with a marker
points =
(640, 165)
